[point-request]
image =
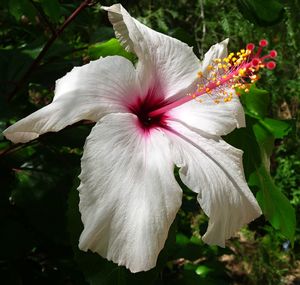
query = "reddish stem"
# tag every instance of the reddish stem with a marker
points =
(49, 43)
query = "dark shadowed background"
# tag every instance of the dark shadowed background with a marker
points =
(39, 217)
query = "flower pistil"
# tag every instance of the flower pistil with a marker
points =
(223, 75)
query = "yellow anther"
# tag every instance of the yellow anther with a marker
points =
(210, 67)
(217, 60)
(241, 72)
(200, 74)
(228, 99)
(217, 101)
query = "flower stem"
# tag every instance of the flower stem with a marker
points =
(49, 43)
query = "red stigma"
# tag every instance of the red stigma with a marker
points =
(271, 65)
(255, 61)
(263, 43)
(250, 46)
(273, 53)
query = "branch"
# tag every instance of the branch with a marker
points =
(49, 43)
(43, 17)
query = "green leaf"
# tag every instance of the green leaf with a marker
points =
(13, 64)
(244, 139)
(182, 239)
(256, 101)
(203, 270)
(263, 13)
(257, 142)
(19, 8)
(211, 272)
(265, 141)
(279, 129)
(51, 9)
(266, 131)
(274, 204)
(111, 47)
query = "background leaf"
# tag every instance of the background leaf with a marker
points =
(110, 47)
(274, 204)
(51, 9)
(263, 13)
(19, 8)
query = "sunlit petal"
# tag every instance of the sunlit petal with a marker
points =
(86, 93)
(128, 194)
(213, 169)
(216, 119)
(166, 61)
(218, 50)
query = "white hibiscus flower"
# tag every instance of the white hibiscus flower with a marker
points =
(128, 193)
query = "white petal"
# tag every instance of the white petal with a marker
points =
(86, 93)
(128, 194)
(164, 60)
(218, 50)
(216, 119)
(214, 170)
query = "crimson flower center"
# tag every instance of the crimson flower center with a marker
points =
(142, 108)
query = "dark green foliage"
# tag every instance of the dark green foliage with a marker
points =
(264, 13)
(39, 216)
